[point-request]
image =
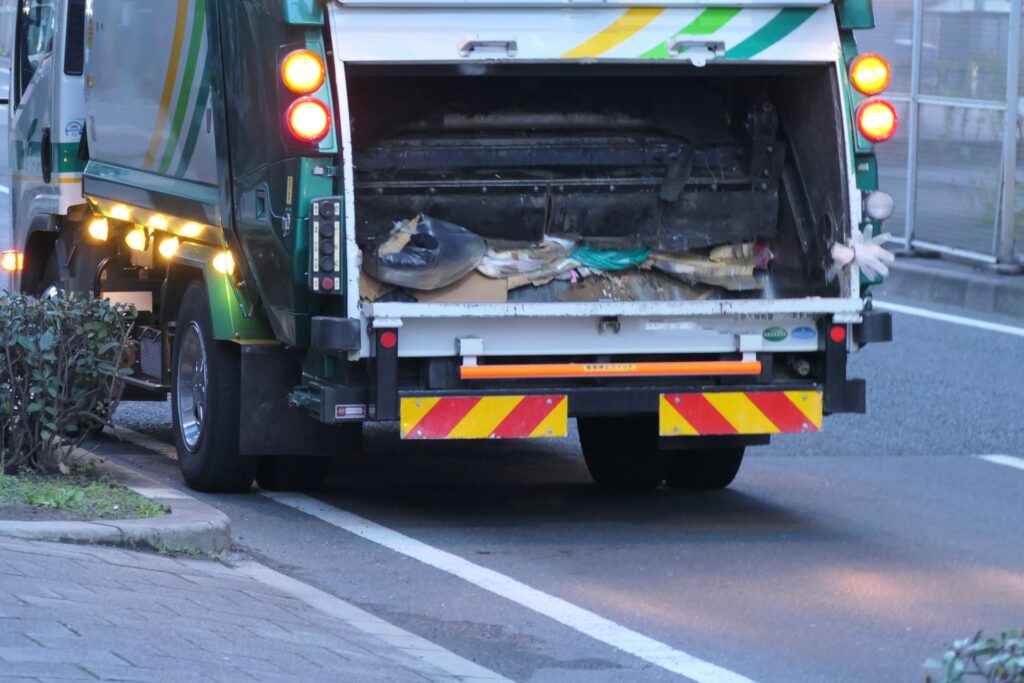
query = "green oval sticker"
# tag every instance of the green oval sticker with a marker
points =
(775, 334)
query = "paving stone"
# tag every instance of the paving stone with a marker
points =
(55, 671)
(82, 655)
(88, 613)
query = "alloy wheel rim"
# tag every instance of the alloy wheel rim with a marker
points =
(191, 387)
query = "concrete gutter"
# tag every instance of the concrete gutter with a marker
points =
(191, 525)
(954, 284)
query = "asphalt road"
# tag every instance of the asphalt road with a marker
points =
(846, 556)
(852, 555)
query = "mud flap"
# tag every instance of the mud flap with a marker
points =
(267, 425)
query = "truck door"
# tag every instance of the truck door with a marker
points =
(34, 70)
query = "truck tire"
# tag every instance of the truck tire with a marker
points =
(292, 472)
(622, 453)
(205, 402)
(49, 285)
(709, 469)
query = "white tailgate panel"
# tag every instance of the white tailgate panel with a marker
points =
(406, 34)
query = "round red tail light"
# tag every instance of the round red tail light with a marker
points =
(309, 120)
(877, 120)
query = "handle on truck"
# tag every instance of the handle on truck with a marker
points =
(468, 46)
(46, 151)
(700, 52)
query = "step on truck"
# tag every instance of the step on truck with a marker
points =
(478, 219)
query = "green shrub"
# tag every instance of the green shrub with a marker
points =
(994, 660)
(60, 360)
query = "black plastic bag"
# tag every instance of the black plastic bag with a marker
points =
(425, 253)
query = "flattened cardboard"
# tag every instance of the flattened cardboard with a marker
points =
(472, 289)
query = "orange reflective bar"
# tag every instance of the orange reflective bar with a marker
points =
(666, 369)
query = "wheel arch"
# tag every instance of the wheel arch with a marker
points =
(233, 317)
(40, 243)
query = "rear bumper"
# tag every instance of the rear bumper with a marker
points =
(381, 398)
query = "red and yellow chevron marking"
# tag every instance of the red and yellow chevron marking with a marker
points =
(485, 417)
(769, 412)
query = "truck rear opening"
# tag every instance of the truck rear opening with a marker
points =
(616, 156)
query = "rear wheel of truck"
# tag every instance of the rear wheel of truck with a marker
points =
(292, 472)
(622, 453)
(205, 402)
(709, 469)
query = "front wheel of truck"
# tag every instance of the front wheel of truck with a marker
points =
(205, 402)
(622, 453)
(710, 469)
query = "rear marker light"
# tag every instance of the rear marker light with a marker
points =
(877, 120)
(837, 334)
(12, 261)
(303, 72)
(309, 120)
(870, 74)
(389, 340)
(879, 205)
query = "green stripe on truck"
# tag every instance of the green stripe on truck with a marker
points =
(784, 23)
(197, 122)
(185, 92)
(707, 23)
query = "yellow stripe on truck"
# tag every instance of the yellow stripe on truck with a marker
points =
(742, 414)
(414, 410)
(624, 28)
(810, 404)
(672, 423)
(485, 417)
(169, 81)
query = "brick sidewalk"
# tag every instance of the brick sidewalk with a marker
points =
(85, 613)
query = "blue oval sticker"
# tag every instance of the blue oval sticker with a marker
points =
(804, 334)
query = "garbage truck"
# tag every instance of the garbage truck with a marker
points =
(657, 221)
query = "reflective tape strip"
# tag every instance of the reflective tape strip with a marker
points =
(488, 417)
(722, 413)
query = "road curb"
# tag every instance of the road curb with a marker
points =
(191, 525)
(960, 286)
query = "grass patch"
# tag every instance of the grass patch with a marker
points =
(78, 493)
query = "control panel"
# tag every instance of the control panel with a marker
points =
(327, 255)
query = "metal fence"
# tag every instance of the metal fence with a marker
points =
(956, 164)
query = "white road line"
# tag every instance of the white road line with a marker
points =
(584, 621)
(579, 619)
(947, 318)
(1008, 460)
(4, 189)
(411, 644)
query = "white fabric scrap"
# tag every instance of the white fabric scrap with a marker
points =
(866, 252)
